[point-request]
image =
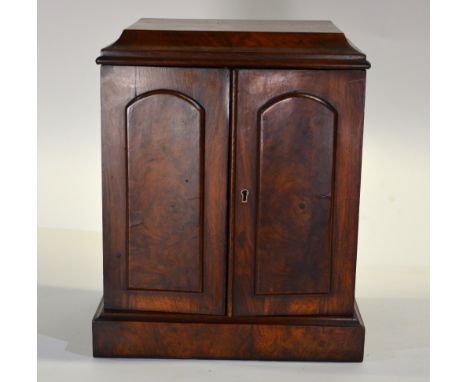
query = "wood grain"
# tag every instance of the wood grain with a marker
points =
(295, 152)
(179, 336)
(234, 43)
(160, 209)
(165, 164)
(231, 165)
(307, 268)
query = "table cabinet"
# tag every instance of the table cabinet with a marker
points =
(231, 159)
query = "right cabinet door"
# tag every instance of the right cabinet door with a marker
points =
(297, 173)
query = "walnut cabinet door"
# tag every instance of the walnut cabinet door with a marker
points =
(297, 170)
(165, 157)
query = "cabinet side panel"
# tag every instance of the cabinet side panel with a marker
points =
(165, 147)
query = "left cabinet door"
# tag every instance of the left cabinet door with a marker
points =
(164, 168)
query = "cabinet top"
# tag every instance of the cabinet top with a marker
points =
(234, 43)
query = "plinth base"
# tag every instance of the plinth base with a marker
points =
(160, 335)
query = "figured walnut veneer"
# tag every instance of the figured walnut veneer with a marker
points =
(231, 161)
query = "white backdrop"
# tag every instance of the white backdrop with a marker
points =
(394, 227)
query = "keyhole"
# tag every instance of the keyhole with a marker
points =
(244, 195)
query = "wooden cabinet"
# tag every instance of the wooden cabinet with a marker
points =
(231, 158)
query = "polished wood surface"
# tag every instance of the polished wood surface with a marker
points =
(295, 150)
(231, 43)
(231, 181)
(165, 187)
(181, 336)
(165, 147)
(298, 232)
